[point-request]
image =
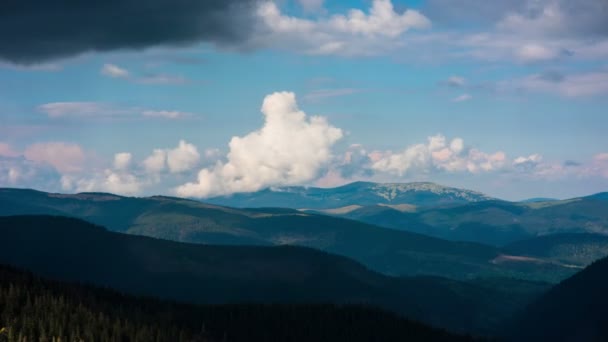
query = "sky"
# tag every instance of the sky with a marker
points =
(207, 98)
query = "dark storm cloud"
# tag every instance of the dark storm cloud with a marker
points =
(34, 31)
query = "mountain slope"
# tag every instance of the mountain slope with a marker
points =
(494, 222)
(385, 250)
(574, 310)
(73, 250)
(40, 310)
(358, 193)
(576, 249)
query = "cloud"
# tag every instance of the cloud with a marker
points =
(354, 33)
(436, 155)
(122, 161)
(311, 6)
(558, 18)
(114, 71)
(583, 84)
(57, 110)
(116, 182)
(184, 157)
(100, 110)
(322, 94)
(20, 172)
(166, 114)
(162, 169)
(455, 81)
(291, 148)
(600, 165)
(528, 163)
(40, 31)
(462, 98)
(7, 151)
(43, 67)
(156, 162)
(162, 79)
(64, 157)
(516, 31)
(533, 52)
(530, 18)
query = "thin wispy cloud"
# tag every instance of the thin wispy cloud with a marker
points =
(462, 98)
(322, 94)
(105, 111)
(114, 71)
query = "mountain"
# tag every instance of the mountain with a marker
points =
(73, 250)
(539, 199)
(574, 310)
(575, 249)
(38, 309)
(388, 251)
(358, 193)
(493, 222)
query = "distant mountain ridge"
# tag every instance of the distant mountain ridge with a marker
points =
(357, 193)
(384, 250)
(492, 222)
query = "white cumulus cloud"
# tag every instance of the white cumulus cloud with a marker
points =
(354, 33)
(65, 157)
(291, 148)
(436, 155)
(184, 157)
(114, 71)
(122, 160)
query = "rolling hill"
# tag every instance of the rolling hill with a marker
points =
(388, 251)
(358, 193)
(580, 249)
(73, 250)
(38, 309)
(493, 222)
(574, 310)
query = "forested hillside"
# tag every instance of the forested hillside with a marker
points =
(35, 309)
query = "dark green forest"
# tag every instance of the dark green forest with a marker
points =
(35, 309)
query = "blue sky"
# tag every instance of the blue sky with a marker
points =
(506, 98)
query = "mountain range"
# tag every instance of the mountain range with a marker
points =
(492, 222)
(317, 261)
(73, 250)
(417, 194)
(390, 251)
(439, 211)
